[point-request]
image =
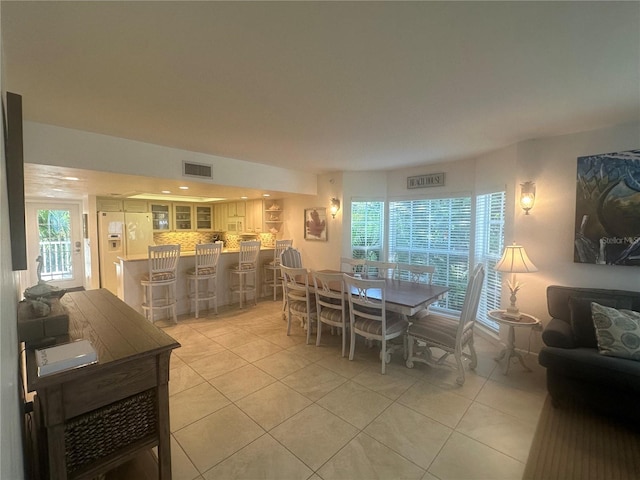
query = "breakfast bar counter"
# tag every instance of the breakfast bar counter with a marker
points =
(132, 268)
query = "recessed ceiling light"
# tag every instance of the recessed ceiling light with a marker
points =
(57, 189)
(266, 195)
(166, 191)
(75, 179)
(244, 198)
(184, 188)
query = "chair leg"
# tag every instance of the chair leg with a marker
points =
(383, 355)
(474, 357)
(288, 321)
(344, 339)
(241, 288)
(197, 281)
(215, 294)
(352, 347)
(458, 356)
(319, 332)
(309, 328)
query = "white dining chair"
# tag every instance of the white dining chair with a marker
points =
(331, 306)
(447, 333)
(300, 301)
(381, 269)
(353, 265)
(416, 273)
(368, 316)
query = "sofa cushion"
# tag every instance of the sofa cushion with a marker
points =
(581, 320)
(618, 331)
(558, 333)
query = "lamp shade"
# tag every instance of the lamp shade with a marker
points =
(515, 260)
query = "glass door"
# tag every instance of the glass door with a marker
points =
(54, 244)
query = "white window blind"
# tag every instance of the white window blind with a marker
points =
(434, 232)
(489, 244)
(367, 227)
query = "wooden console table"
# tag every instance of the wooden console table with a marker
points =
(98, 416)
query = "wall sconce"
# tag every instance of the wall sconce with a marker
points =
(527, 196)
(335, 206)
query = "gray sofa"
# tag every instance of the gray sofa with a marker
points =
(576, 371)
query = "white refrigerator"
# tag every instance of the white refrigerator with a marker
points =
(121, 234)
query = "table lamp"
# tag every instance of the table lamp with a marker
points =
(514, 260)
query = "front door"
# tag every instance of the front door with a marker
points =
(54, 244)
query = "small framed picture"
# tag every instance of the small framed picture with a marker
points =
(315, 224)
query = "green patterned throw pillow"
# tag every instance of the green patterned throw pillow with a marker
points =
(618, 331)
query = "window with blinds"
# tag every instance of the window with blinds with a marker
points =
(489, 244)
(434, 232)
(367, 227)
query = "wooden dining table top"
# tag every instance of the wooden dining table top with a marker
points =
(402, 296)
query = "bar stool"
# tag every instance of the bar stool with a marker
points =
(272, 274)
(247, 265)
(207, 256)
(163, 265)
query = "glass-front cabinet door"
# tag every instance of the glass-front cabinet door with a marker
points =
(204, 217)
(182, 216)
(161, 217)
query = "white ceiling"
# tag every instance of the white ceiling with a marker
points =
(326, 86)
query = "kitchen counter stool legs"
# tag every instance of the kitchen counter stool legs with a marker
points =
(247, 265)
(204, 273)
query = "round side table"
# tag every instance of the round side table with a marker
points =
(510, 351)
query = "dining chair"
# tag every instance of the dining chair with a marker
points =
(381, 269)
(290, 257)
(162, 272)
(247, 265)
(368, 316)
(330, 304)
(447, 333)
(205, 271)
(353, 265)
(416, 273)
(272, 274)
(300, 302)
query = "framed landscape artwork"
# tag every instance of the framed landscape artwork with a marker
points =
(315, 224)
(607, 223)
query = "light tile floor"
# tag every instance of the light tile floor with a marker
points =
(248, 402)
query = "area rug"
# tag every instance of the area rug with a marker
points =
(575, 443)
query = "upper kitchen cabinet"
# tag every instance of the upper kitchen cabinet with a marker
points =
(135, 206)
(161, 216)
(204, 217)
(108, 205)
(237, 209)
(273, 216)
(220, 216)
(182, 217)
(254, 217)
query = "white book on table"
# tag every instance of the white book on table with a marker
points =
(64, 357)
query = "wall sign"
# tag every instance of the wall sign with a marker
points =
(423, 181)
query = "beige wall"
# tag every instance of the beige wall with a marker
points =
(10, 413)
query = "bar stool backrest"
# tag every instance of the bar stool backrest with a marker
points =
(249, 251)
(207, 256)
(163, 259)
(281, 245)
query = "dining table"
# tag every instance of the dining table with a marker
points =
(402, 296)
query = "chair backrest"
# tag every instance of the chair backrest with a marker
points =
(471, 300)
(416, 273)
(381, 269)
(296, 282)
(291, 257)
(353, 265)
(163, 258)
(249, 251)
(361, 303)
(207, 256)
(281, 246)
(329, 290)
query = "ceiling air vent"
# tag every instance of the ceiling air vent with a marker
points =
(200, 170)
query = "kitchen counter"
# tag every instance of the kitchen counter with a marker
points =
(131, 269)
(186, 253)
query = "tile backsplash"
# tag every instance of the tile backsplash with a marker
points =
(189, 240)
